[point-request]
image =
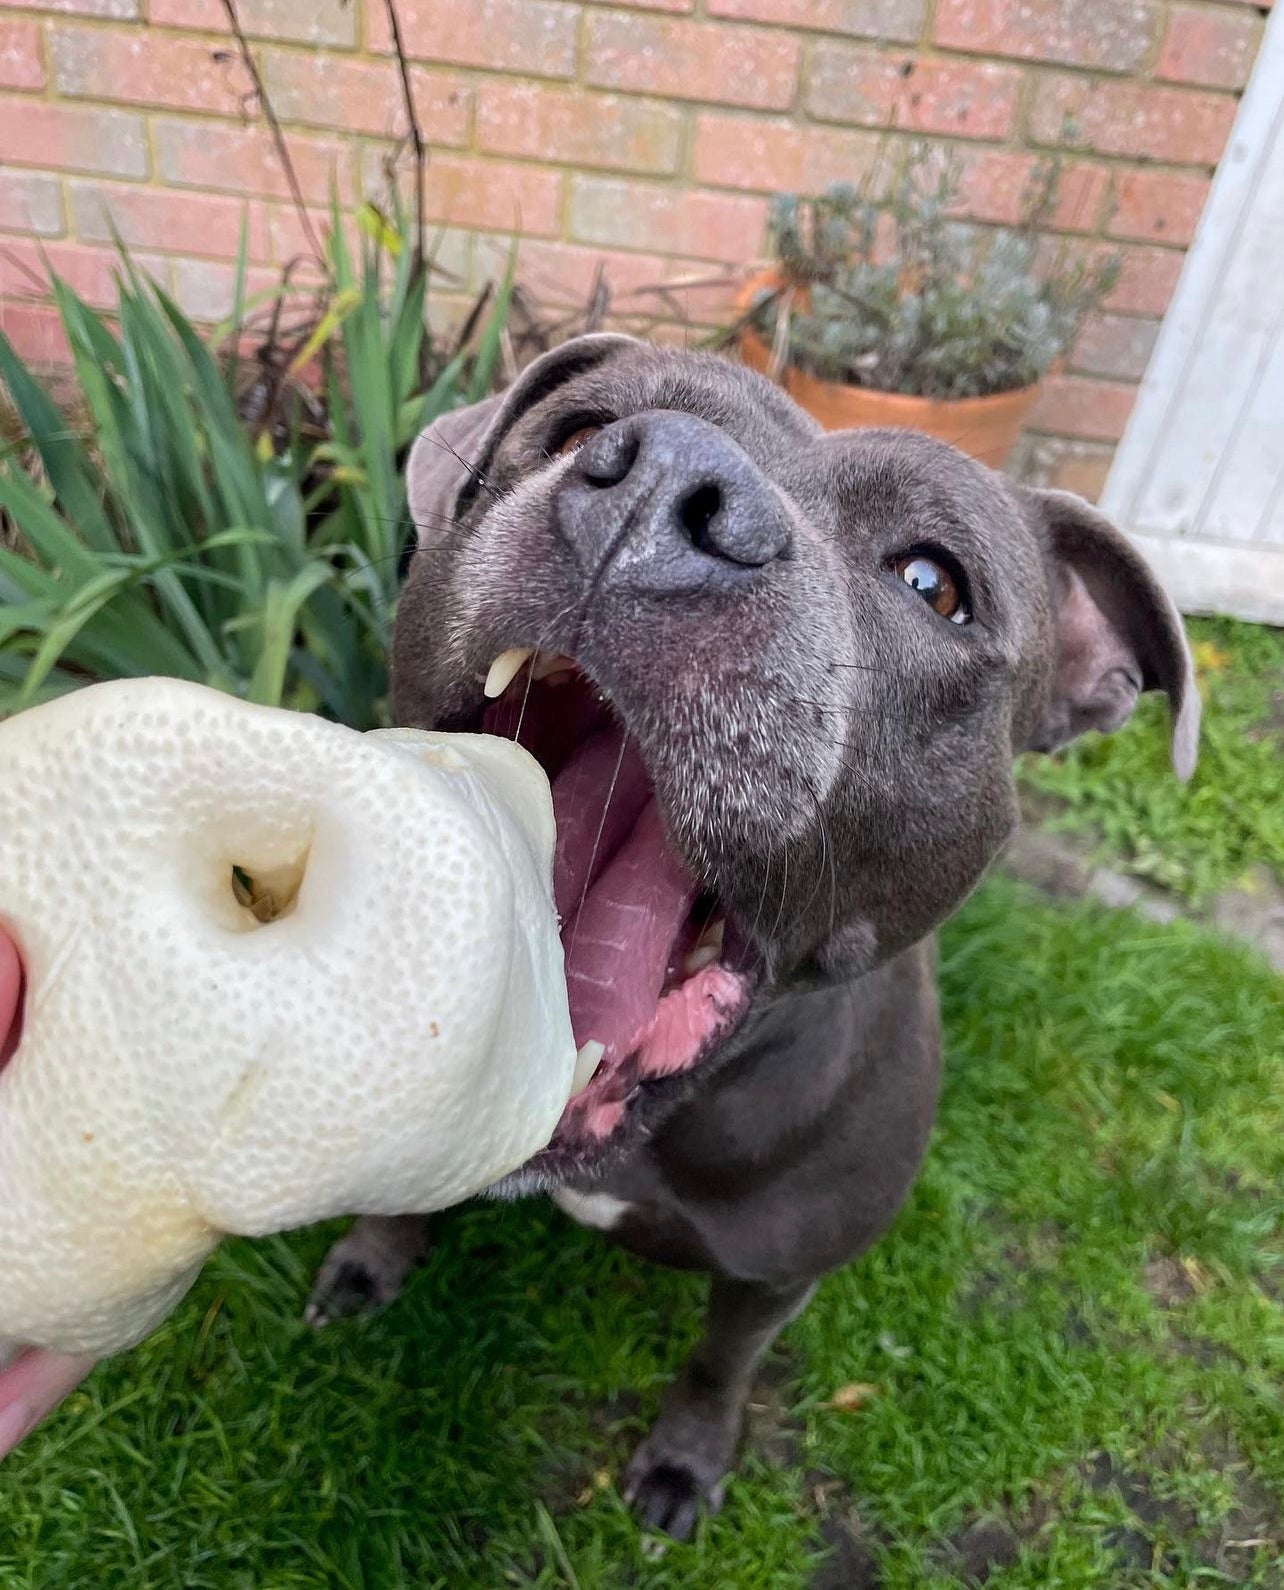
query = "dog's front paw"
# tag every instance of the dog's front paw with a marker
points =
(679, 1472)
(366, 1270)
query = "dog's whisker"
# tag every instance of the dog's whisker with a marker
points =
(826, 861)
(784, 895)
(762, 898)
(473, 472)
(597, 841)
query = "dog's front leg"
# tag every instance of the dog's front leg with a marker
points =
(680, 1469)
(367, 1269)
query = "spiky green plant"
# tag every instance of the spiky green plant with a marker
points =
(171, 536)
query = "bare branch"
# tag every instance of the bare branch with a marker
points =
(416, 132)
(274, 126)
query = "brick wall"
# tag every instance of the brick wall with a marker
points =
(648, 134)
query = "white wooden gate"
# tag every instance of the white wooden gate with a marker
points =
(1198, 480)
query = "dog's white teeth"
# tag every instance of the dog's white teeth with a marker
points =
(707, 948)
(505, 669)
(551, 665)
(586, 1063)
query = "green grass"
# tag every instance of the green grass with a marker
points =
(1208, 835)
(1075, 1331)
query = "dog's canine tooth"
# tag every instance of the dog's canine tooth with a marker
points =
(586, 1063)
(505, 669)
(707, 948)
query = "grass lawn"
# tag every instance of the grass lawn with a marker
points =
(1230, 819)
(1064, 1368)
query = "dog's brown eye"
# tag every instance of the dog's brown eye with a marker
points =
(576, 440)
(935, 584)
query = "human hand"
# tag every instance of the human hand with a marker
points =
(33, 1386)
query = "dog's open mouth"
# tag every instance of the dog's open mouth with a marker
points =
(655, 970)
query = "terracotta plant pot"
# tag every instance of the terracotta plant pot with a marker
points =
(984, 427)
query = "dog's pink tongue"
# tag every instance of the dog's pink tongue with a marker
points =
(618, 945)
(597, 799)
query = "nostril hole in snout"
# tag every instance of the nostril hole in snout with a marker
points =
(268, 895)
(697, 511)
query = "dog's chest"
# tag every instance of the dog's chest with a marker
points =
(598, 1211)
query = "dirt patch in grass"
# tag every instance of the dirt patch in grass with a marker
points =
(1168, 1281)
(772, 1430)
(854, 1545)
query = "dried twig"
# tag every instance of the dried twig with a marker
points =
(416, 132)
(274, 126)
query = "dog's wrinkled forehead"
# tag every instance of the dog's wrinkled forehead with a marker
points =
(640, 378)
(1068, 620)
(871, 493)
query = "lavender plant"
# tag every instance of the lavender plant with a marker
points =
(889, 290)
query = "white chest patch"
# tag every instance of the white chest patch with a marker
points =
(597, 1211)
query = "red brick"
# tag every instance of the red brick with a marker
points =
(20, 62)
(897, 21)
(1179, 125)
(25, 269)
(546, 123)
(1114, 35)
(146, 68)
(155, 218)
(1082, 472)
(72, 138)
(692, 60)
(448, 247)
(291, 244)
(715, 226)
(563, 274)
(659, 5)
(698, 292)
(769, 155)
(1118, 346)
(121, 10)
(330, 91)
(205, 289)
(1077, 405)
(996, 185)
(665, 333)
(29, 203)
(301, 21)
(1147, 280)
(487, 194)
(964, 99)
(1158, 206)
(204, 154)
(1081, 467)
(35, 332)
(1212, 48)
(534, 36)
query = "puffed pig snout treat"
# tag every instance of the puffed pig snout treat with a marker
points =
(275, 971)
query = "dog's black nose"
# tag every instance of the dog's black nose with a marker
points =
(664, 503)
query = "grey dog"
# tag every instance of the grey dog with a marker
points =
(779, 680)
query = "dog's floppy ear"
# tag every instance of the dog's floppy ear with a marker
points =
(1117, 631)
(449, 460)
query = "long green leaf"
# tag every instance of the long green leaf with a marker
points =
(71, 473)
(61, 633)
(280, 621)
